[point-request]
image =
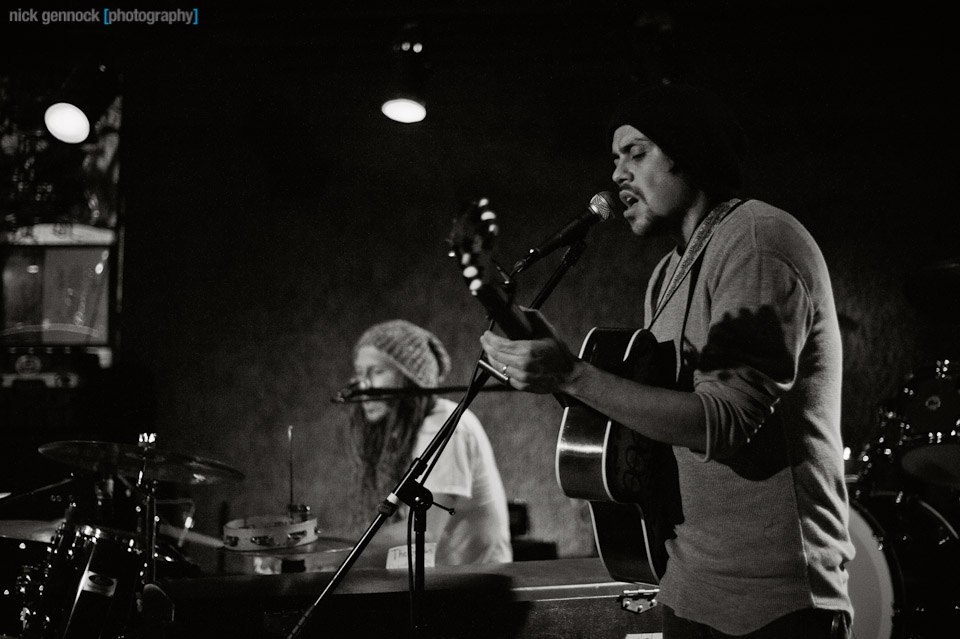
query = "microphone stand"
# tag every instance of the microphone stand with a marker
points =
(350, 396)
(569, 259)
(411, 490)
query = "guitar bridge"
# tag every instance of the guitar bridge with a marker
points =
(639, 600)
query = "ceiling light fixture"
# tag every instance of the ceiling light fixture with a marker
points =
(82, 99)
(405, 100)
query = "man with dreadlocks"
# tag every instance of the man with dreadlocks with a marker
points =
(389, 433)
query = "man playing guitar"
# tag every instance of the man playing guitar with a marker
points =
(745, 304)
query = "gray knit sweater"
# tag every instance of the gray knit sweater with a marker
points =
(764, 504)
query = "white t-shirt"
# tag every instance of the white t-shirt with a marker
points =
(479, 532)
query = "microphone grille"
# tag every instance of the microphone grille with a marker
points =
(604, 204)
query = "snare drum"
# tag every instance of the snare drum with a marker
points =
(89, 585)
(903, 579)
(922, 429)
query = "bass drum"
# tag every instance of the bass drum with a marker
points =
(903, 580)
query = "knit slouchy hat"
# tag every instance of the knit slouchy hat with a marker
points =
(417, 352)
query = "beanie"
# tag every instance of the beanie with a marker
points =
(417, 352)
(694, 128)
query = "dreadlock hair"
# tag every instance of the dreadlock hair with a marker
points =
(383, 450)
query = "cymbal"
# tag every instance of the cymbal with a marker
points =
(29, 529)
(935, 287)
(321, 545)
(128, 460)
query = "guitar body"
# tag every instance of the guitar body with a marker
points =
(630, 481)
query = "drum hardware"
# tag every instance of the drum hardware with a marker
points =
(94, 578)
(919, 429)
(149, 465)
(258, 533)
(20, 559)
(902, 581)
(297, 512)
(88, 586)
(147, 444)
(139, 462)
(24, 547)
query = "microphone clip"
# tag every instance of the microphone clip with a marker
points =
(507, 282)
(522, 264)
(346, 393)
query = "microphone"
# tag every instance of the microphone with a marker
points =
(353, 390)
(347, 392)
(602, 206)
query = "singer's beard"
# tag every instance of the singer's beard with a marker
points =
(643, 224)
(647, 222)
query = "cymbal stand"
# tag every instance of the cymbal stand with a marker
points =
(297, 512)
(148, 487)
(411, 490)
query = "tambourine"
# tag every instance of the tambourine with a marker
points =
(266, 532)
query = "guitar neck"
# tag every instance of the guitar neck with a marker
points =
(505, 313)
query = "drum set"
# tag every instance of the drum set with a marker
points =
(85, 575)
(904, 498)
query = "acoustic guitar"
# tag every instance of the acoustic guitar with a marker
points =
(629, 480)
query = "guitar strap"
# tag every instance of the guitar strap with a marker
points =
(698, 242)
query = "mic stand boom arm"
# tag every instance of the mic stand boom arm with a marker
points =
(355, 396)
(411, 490)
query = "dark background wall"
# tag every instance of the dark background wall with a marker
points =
(272, 213)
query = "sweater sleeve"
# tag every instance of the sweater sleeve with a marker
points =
(760, 317)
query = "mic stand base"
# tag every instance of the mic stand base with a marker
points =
(408, 491)
(416, 598)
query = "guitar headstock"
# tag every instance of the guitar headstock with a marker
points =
(472, 241)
